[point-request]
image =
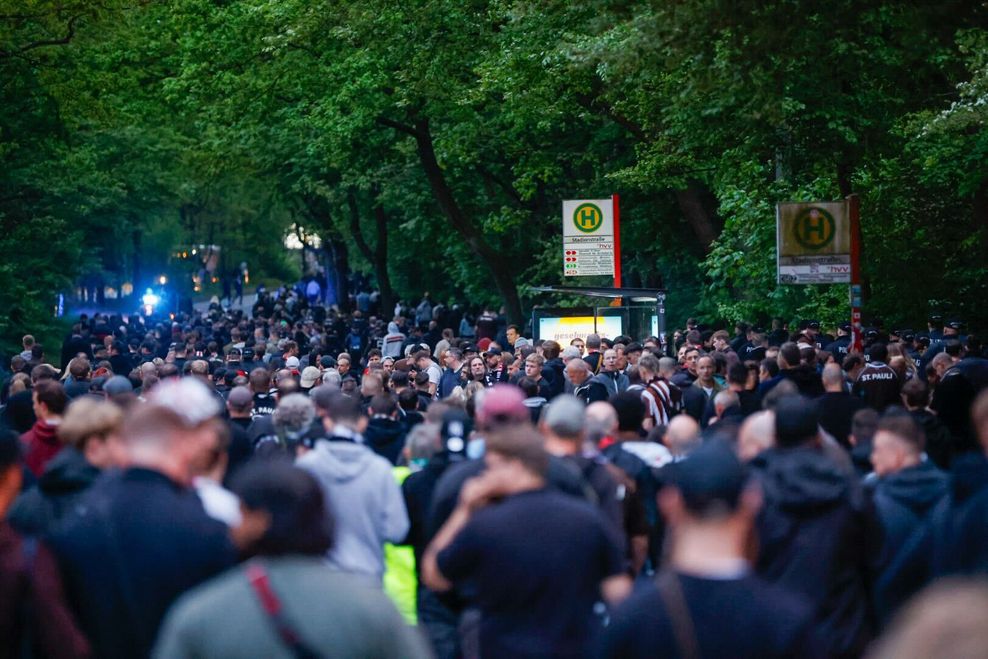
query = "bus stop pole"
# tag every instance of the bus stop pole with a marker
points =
(660, 315)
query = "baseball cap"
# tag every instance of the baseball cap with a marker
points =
(239, 397)
(327, 362)
(310, 375)
(501, 404)
(954, 324)
(118, 384)
(291, 362)
(845, 326)
(521, 342)
(710, 477)
(564, 416)
(493, 351)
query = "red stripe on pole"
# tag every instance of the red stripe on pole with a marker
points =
(617, 240)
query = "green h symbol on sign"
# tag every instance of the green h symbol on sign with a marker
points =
(587, 218)
(814, 228)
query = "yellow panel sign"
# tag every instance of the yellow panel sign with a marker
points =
(814, 243)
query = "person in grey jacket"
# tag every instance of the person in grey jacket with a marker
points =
(286, 587)
(361, 493)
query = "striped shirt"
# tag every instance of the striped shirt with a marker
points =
(663, 400)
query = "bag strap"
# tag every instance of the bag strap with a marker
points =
(29, 551)
(257, 577)
(671, 592)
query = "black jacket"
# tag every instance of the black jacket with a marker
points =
(134, 544)
(66, 477)
(552, 373)
(836, 409)
(941, 446)
(386, 437)
(953, 397)
(903, 501)
(806, 379)
(591, 391)
(819, 537)
(953, 540)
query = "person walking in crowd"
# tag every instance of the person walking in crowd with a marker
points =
(263, 480)
(534, 599)
(708, 602)
(285, 601)
(361, 493)
(141, 538)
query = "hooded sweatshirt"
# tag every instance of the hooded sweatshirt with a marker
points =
(904, 499)
(386, 437)
(41, 443)
(393, 340)
(819, 537)
(67, 476)
(364, 501)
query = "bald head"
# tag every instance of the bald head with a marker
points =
(756, 435)
(601, 421)
(833, 378)
(682, 435)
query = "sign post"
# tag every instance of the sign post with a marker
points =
(813, 243)
(590, 238)
(854, 211)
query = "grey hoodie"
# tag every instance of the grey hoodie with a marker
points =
(365, 501)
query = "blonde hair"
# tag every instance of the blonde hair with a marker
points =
(89, 417)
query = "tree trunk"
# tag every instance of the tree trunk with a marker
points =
(697, 207)
(378, 256)
(844, 178)
(341, 271)
(136, 262)
(979, 214)
(381, 260)
(497, 263)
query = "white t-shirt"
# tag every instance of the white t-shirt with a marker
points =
(218, 502)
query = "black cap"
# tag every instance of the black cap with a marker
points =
(845, 326)
(954, 324)
(871, 333)
(935, 319)
(814, 324)
(471, 347)
(712, 476)
(493, 351)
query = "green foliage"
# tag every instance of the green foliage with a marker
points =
(155, 125)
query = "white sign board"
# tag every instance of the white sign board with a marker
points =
(588, 237)
(813, 243)
(564, 330)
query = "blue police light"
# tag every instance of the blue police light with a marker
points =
(150, 301)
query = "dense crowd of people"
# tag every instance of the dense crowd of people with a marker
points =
(295, 481)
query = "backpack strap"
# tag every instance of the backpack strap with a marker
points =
(29, 552)
(675, 604)
(257, 577)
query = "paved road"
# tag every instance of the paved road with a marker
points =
(246, 305)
